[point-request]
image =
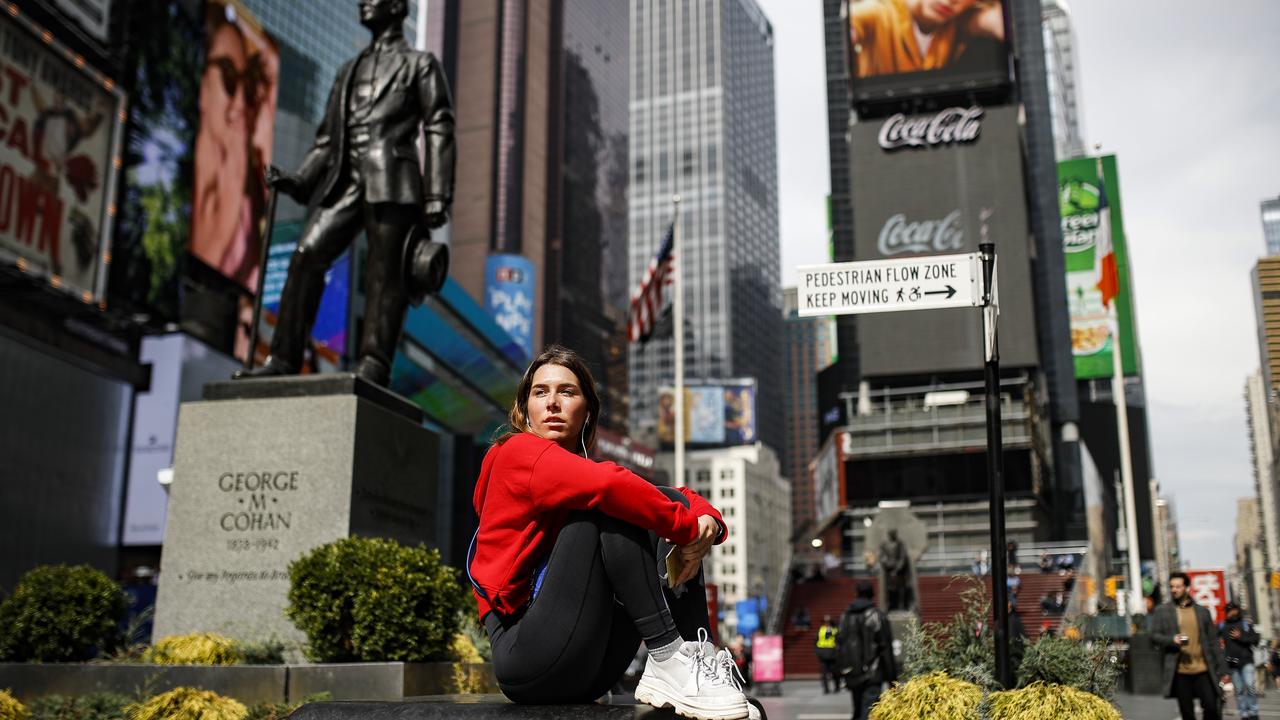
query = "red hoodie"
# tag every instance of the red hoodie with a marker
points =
(526, 488)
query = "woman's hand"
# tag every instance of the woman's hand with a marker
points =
(692, 554)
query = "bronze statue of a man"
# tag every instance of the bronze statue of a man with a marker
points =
(363, 173)
(894, 562)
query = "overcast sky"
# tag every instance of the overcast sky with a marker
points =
(1188, 97)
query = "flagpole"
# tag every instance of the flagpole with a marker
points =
(677, 330)
(1122, 427)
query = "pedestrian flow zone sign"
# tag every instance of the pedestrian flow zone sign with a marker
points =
(874, 286)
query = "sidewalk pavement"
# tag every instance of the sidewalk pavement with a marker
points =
(803, 700)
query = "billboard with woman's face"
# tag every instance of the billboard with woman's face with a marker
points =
(233, 145)
(904, 48)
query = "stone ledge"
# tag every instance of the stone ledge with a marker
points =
(473, 707)
(294, 386)
(247, 683)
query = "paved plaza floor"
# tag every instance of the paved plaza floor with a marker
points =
(803, 700)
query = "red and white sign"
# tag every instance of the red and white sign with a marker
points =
(766, 658)
(60, 133)
(1209, 588)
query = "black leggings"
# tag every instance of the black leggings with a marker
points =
(573, 642)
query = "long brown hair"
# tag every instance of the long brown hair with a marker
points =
(518, 418)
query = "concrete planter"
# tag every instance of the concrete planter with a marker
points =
(252, 683)
(246, 683)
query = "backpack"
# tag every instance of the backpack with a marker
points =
(858, 657)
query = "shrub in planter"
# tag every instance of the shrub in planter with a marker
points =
(1042, 701)
(95, 706)
(1061, 661)
(10, 708)
(367, 599)
(266, 652)
(929, 696)
(61, 614)
(194, 649)
(186, 703)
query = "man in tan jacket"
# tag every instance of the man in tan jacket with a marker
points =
(899, 36)
(1193, 661)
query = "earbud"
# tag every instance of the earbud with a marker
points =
(583, 436)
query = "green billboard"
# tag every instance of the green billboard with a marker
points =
(1086, 206)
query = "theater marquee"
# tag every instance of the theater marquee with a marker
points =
(60, 134)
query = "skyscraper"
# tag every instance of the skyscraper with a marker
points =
(811, 346)
(1063, 76)
(540, 91)
(703, 127)
(1271, 224)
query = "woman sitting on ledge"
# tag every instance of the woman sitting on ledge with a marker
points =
(565, 565)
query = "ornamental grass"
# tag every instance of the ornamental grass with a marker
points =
(1041, 701)
(10, 708)
(195, 649)
(934, 695)
(186, 703)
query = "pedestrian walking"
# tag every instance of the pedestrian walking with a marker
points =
(865, 651)
(1239, 636)
(565, 564)
(1193, 660)
(825, 648)
(1273, 662)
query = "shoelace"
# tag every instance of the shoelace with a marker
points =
(706, 666)
(729, 669)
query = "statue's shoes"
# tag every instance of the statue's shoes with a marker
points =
(373, 370)
(271, 368)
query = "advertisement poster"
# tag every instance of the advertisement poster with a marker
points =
(1209, 588)
(718, 415)
(901, 48)
(509, 285)
(1081, 200)
(766, 658)
(60, 130)
(233, 146)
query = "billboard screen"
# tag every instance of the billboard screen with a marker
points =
(1080, 200)
(233, 145)
(155, 205)
(509, 286)
(925, 185)
(906, 48)
(716, 414)
(60, 132)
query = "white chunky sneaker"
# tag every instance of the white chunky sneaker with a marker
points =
(728, 670)
(691, 684)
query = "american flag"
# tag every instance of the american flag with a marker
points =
(646, 303)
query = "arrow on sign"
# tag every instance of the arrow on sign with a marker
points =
(948, 292)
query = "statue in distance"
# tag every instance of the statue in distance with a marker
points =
(363, 172)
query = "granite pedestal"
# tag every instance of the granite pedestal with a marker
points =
(267, 469)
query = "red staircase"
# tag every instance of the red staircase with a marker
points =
(940, 601)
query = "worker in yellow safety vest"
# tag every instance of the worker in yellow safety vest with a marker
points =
(826, 651)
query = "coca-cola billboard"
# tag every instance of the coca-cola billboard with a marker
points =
(920, 185)
(953, 125)
(900, 235)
